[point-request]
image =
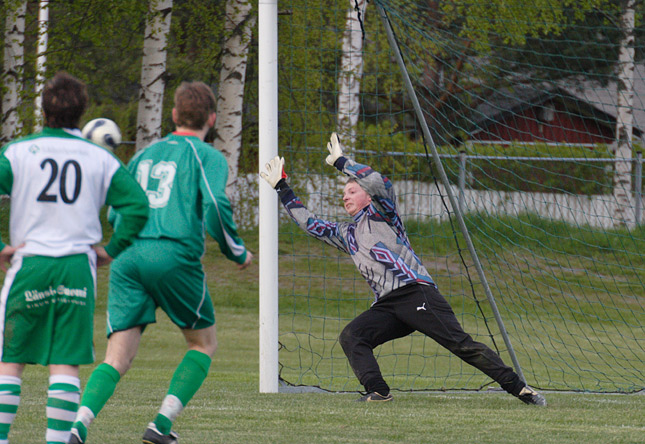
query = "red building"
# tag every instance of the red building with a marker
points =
(530, 113)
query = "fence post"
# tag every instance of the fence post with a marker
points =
(639, 186)
(462, 179)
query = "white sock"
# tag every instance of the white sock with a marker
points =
(63, 397)
(9, 401)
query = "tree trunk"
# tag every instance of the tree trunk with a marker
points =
(153, 73)
(624, 213)
(230, 98)
(12, 72)
(41, 62)
(349, 79)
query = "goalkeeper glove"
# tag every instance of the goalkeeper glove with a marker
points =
(275, 171)
(335, 149)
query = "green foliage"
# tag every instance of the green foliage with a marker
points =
(553, 56)
(512, 21)
(101, 42)
(379, 144)
(308, 61)
(393, 152)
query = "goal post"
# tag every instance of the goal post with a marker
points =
(268, 201)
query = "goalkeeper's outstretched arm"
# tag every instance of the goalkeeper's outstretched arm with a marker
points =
(329, 232)
(378, 186)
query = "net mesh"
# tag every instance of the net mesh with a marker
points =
(521, 99)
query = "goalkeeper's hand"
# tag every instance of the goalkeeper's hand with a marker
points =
(274, 171)
(335, 149)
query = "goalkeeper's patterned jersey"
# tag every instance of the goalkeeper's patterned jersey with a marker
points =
(185, 181)
(58, 182)
(376, 239)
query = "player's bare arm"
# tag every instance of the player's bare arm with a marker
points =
(102, 257)
(247, 261)
(6, 254)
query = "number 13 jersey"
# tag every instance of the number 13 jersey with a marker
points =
(185, 181)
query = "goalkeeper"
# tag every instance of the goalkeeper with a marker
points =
(406, 297)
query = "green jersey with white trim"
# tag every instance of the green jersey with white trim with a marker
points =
(58, 181)
(185, 181)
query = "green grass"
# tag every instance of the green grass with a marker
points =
(572, 299)
(325, 291)
(229, 409)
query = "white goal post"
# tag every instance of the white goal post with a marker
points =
(268, 199)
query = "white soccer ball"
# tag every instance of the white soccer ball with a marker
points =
(103, 132)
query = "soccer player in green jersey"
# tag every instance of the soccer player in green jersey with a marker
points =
(58, 182)
(184, 179)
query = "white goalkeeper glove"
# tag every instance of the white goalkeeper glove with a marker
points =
(275, 171)
(335, 149)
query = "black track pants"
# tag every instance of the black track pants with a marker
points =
(417, 308)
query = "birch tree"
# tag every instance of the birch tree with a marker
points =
(349, 78)
(12, 75)
(153, 72)
(41, 61)
(624, 213)
(239, 22)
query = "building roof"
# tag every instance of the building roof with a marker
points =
(589, 101)
(605, 98)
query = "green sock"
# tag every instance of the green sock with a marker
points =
(188, 377)
(100, 387)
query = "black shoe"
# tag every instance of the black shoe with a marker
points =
(74, 438)
(530, 396)
(154, 436)
(375, 397)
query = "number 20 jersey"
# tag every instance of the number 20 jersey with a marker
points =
(58, 183)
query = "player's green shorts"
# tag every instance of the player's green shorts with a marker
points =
(47, 310)
(158, 273)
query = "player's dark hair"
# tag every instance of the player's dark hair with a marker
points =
(194, 102)
(64, 101)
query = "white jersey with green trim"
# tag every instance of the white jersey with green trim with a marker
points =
(58, 182)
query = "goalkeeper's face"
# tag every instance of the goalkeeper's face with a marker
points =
(355, 198)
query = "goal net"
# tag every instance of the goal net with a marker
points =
(535, 110)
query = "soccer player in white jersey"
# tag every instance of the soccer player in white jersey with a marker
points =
(58, 182)
(185, 180)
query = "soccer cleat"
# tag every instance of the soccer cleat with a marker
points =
(74, 438)
(530, 396)
(154, 436)
(375, 397)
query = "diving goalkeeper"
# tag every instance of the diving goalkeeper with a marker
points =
(406, 297)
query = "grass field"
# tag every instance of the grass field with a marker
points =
(229, 409)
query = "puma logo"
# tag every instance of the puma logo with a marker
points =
(423, 307)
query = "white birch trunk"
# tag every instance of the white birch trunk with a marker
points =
(349, 79)
(12, 71)
(153, 73)
(41, 62)
(230, 97)
(624, 214)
